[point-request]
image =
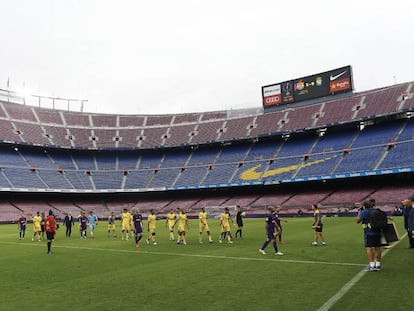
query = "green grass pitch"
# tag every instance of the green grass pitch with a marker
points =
(107, 273)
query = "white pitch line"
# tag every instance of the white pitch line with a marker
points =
(196, 255)
(335, 298)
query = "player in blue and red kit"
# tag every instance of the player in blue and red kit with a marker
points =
(271, 231)
(278, 222)
(137, 221)
(21, 223)
(83, 220)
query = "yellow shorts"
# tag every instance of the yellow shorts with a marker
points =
(225, 228)
(203, 228)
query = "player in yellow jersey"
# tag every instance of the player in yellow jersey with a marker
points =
(170, 222)
(152, 219)
(183, 224)
(225, 221)
(203, 226)
(126, 220)
(37, 229)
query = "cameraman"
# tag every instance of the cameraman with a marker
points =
(372, 238)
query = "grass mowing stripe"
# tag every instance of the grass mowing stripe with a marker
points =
(194, 255)
(335, 298)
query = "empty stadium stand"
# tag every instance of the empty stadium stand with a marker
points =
(351, 137)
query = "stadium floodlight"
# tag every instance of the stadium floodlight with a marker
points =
(285, 137)
(24, 93)
(321, 131)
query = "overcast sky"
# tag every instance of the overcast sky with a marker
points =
(164, 56)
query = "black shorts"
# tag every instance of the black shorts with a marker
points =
(372, 240)
(50, 235)
(319, 229)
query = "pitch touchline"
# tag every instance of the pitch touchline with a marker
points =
(335, 298)
(195, 255)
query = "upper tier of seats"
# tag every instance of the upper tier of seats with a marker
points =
(46, 127)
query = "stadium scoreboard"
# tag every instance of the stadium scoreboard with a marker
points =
(314, 86)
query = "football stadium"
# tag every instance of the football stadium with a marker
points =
(314, 141)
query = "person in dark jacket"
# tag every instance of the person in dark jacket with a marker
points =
(408, 213)
(69, 222)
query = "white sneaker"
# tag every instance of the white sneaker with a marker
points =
(323, 244)
(314, 244)
(262, 251)
(279, 254)
(155, 243)
(230, 242)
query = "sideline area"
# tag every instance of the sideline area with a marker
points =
(335, 298)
